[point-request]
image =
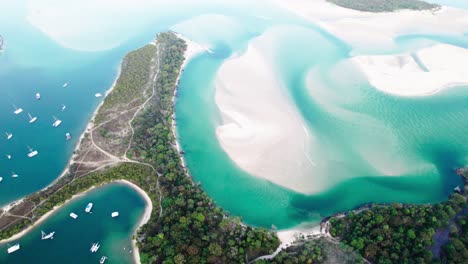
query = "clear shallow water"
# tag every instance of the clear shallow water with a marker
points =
(429, 130)
(74, 237)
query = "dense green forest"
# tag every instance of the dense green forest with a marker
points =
(456, 250)
(383, 5)
(191, 229)
(317, 250)
(399, 233)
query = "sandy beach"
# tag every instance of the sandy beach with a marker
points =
(193, 49)
(260, 125)
(422, 73)
(144, 219)
(366, 30)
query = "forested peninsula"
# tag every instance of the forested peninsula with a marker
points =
(131, 138)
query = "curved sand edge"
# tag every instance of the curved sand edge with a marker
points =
(423, 73)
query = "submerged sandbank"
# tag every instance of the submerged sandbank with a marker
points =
(424, 72)
(366, 30)
(261, 130)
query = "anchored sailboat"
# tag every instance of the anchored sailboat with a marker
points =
(89, 207)
(13, 248)
(57, 122)
(38, 96)
(68, 136)
(63, 107)
(9, 135)
(32, 119)
(32, 152)
(14, 175)
(65, 85)
(1, 179)
(45, 236)
(95, 247)
(17, 110)
(103, 259)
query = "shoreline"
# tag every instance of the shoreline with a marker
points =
(193, 49)
(144, 219)
(70, 162)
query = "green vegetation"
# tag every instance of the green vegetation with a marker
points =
(456, 250)
(320, 250)
(131, 82)
(396, 233)
(191, 229)
(383, 5)
(139, 174)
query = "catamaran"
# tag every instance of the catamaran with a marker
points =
(32, 152)
(38, 96)
(95, 247)
(57, 122)
(14, 175)
(9, 135)
(89, 207)
(17, 110)
(65, 85)
(98, 94)
(73, 215)
(115, 214)
(45, 236)
(32, 119)
(13, 248)
(103, 259)
(63, 107)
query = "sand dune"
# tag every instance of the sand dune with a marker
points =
(422, 73)
(262, 131)
(365, 30)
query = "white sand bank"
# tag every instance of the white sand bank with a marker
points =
(367, 30)
(441, 66)
(261, 130)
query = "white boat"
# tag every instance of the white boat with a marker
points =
(17, 110)
(8, 156)
(13, 248)
(57, 122)
(103, 259)
(89, 207)
(73, 215)
(1, 179)
(68, 136)
(45, 236)
(65, 85)
(63, 107)
(98, 95)
(32, 119)
(115, 214)
(95, 247)
(14, 175)
(9, 135)
(32, 152)
(38, 96)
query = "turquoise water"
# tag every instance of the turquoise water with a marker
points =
(352, 119)
(73, 237)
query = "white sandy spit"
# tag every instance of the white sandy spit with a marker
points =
(366, 30)
(261, 130)
(441, 66)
